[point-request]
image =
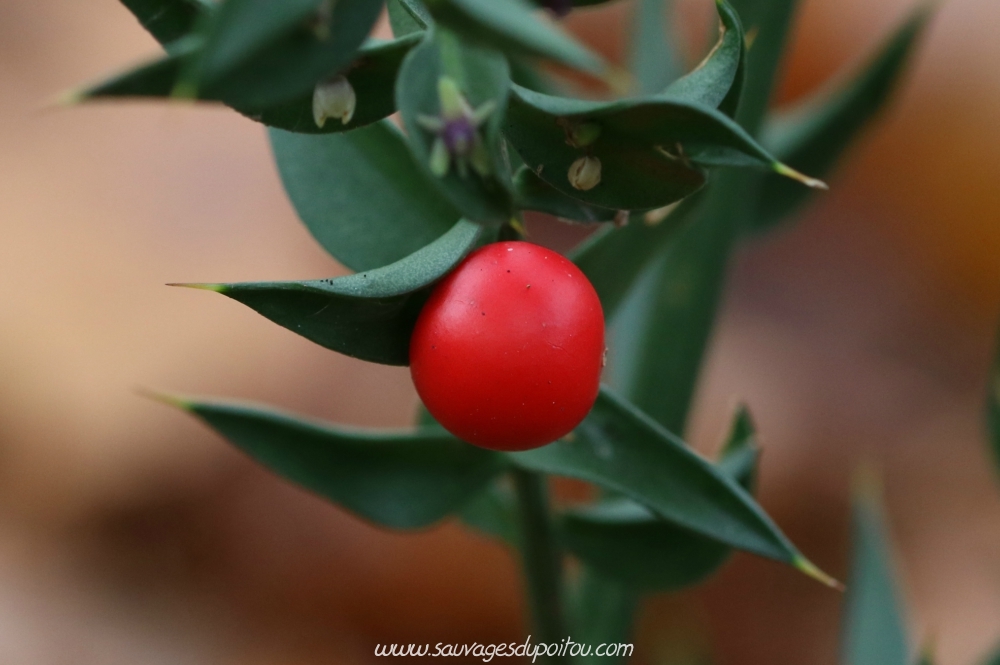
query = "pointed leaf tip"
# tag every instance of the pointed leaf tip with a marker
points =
(169, 399)
(810, 569)
(218, 288)
(789, 172)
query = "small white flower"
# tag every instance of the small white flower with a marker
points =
(585, 173)
(334, 98)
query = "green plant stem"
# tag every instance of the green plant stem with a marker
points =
(542, 559)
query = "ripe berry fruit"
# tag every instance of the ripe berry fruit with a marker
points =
(507, 352)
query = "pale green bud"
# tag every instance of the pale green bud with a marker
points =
(585, 173)
(453, 104)
(582, 135)
(334, 99)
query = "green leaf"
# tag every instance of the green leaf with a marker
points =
(741, 454)
(361, 195)
(815, 134)
(514, 27)
(369, 315)
(648, 148)
(993, 659)
(613, 258)
(258, 53)
(768, 23)
(372, 75)
(533, 193)
(626, 542)
(621, 449)
(401, 480)
(603, 612)
(483, 77)
(680, 312)
(407, 17)
(874, 632)
(718, 80)
(167, 20)
(654, 61)
(494, 513)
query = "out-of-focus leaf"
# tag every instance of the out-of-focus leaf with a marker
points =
(621, 449)
(613, 258)
(767, 23)
(494, 513)
(361, 194)
(372, 75)
(815, 134)
(406, 17)
(681, 310)
(654, 60)
(401, 480)
(874, 632)
(533, 193)
(483, 77)
(626, 542)
(514, 27)
(648, 148)
(741, 454)
(258, 53)
(604, 611)
(369, 315)
(718, 80)
(994, 659)
(167, 20)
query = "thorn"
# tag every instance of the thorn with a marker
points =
(789, 172)
(65, 99)
(218, 288)
(810, 569)
(169, 399)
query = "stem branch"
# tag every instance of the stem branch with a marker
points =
(542, 559)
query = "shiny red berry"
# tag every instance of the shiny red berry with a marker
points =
(508, 350)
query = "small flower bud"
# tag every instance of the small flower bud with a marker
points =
(585, 173)
(333, 99)
(582, 135)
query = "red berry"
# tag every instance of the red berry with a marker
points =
(507, 352)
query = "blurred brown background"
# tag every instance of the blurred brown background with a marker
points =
(129, 534)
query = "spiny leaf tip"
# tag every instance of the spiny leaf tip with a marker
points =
(169, 399)
(789, 172)
(810, 569)
(218, 288)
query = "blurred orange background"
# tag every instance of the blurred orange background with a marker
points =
(128, 533)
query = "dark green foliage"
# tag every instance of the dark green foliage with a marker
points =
(510, 26)
(533, 193)
(396, 479)
(372, 74)
(403, 212)
(484, 78)
(620, 449)
(361, 194)
(815, 134)
(628, 543)
(718, 80)
(167, 20)
(258, 53)
(874, 633)
(369, 315)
